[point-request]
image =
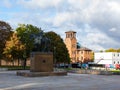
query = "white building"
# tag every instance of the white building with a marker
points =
(107, 58)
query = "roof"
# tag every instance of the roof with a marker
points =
(71, 31)
(84, 49)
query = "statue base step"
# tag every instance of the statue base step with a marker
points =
(40, 74)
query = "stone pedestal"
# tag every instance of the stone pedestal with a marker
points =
(41, 62)
(41, 65)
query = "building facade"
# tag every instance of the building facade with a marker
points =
(107, 58)
(81, 54)
(84, 55)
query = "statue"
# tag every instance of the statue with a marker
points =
(41, 42)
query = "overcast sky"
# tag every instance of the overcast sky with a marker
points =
(97, 22)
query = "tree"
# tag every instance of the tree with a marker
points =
(111, 50)
(13, 48)
(78, 45)
(58, 47)
(92, 56)
(5, 30)
(118, 50)
(25, 33)
(101, 51)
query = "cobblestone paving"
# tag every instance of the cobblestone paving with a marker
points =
(9, 81)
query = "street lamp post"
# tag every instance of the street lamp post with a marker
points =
(24, 56)
(54, 59)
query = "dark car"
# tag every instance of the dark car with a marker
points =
(76, 65)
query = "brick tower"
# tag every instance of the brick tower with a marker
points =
(71, 44)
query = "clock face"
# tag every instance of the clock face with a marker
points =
(101, 58)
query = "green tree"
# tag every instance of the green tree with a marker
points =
(5, 30)
(24, 32)
(13, 48)
(92, 56)
(58, 48)
(111, 50)
(101, 51)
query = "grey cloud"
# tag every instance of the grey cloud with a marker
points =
(93, 20)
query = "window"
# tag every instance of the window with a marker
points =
(81, 52)
(67, 36)
(73, 45)
(114, 62)
(73, 52)
(81, 58)
(88, 52)
(118, 62)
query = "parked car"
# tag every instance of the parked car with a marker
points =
(117, 66)
(76, 65)
(62, 65)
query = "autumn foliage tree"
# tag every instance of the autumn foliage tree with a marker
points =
(13, 48)
(5, 30)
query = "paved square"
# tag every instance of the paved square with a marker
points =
(9, 81)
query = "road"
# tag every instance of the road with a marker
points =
(9, 81)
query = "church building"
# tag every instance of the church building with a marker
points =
(77, 53)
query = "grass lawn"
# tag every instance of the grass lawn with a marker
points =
(115, 70)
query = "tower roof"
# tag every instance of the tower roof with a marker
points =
(71, 31)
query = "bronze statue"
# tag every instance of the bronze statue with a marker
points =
(41, 42)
